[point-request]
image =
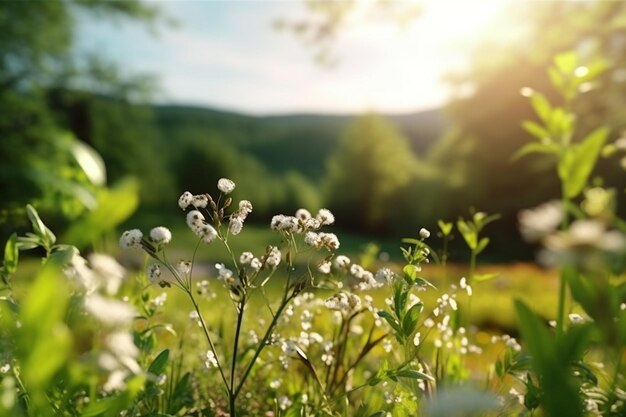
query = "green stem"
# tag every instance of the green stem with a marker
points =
(286, 299)
(560, 315)
(231, 395)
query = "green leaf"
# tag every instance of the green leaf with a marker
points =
(536, 130)
(410, 273)
(482, 244)
(413, 374)
(90, 162)
(566, 62)
(39, 227)
(11, 254)
(485, 277)
(409, 322)
(536, 147)
(391, 320)
(115, 206)
(106, 405)
(542, 107)
(445, 227)
(44, 340)
(578, 161)
(469, 235)
(63, 254)
(399, 299)
(157, 367)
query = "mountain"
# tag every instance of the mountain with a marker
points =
(285, 142)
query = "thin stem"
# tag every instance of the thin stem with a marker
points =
(240, 310)
(286, 299)
(560, 315)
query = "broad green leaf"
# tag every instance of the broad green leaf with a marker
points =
(399, 298)
(11, 254)
(410, 273)
(115, 206)
(561, 396)
(44, 340)
(409, 322)
(63, 254)
(157, 367)
(90, 162)
(578, 161)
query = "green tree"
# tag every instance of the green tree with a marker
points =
(368, 173)
(40, 159)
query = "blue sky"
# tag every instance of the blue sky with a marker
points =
(226, 54)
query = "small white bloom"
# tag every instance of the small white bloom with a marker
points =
(131, 239)
(273, 258)
(246, 258)
(225, 185)
(539, 222)
(576, 318)
(200, 201)
(235, 225)
(183, 267)
(313, 239)
(324, 267)
(245, 208)
(330, 241)
(416, 339)
(342, 262)
(424, 233)
(384, 275)
(185, 200)
(210, 360)
(161, 235)
(154, 273)
(325, 217)
(303, 214)
(256, 264)
(108, 311)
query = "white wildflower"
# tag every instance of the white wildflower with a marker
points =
(246, 258)
(154, 273)
(210, 361)
(324, 267)
(161, 235)
(330, 241)
(235, 225)
(200, 201)
(303, 214)
(245, 208)
(539, 222)
(325, 217)
(107, 272)
(416, 339)
(384, 275)
(185, 200)
(108, 311)
(424, 233)
(225, 185)
(313, 239)
(273, 258)
(256, 264)
(342, 262)
(131, 239)
(183, 267)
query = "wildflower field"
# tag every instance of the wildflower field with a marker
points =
(206, 310)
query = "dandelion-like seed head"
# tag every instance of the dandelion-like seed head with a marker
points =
(225, 185)
(131, 239)
(325, 217)
(185, 200)
(161, 235)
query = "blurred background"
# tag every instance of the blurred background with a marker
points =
(393, 114)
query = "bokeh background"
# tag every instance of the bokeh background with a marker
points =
(393, 114)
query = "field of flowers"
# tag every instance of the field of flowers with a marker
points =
(297, 328)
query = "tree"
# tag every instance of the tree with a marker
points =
(368, 173)
(40, 159)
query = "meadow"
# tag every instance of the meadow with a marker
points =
(188, 262)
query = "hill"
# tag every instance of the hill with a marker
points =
(299, 142)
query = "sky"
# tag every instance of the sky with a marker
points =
(228, 55)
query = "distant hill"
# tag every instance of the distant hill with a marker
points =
(307, 139)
